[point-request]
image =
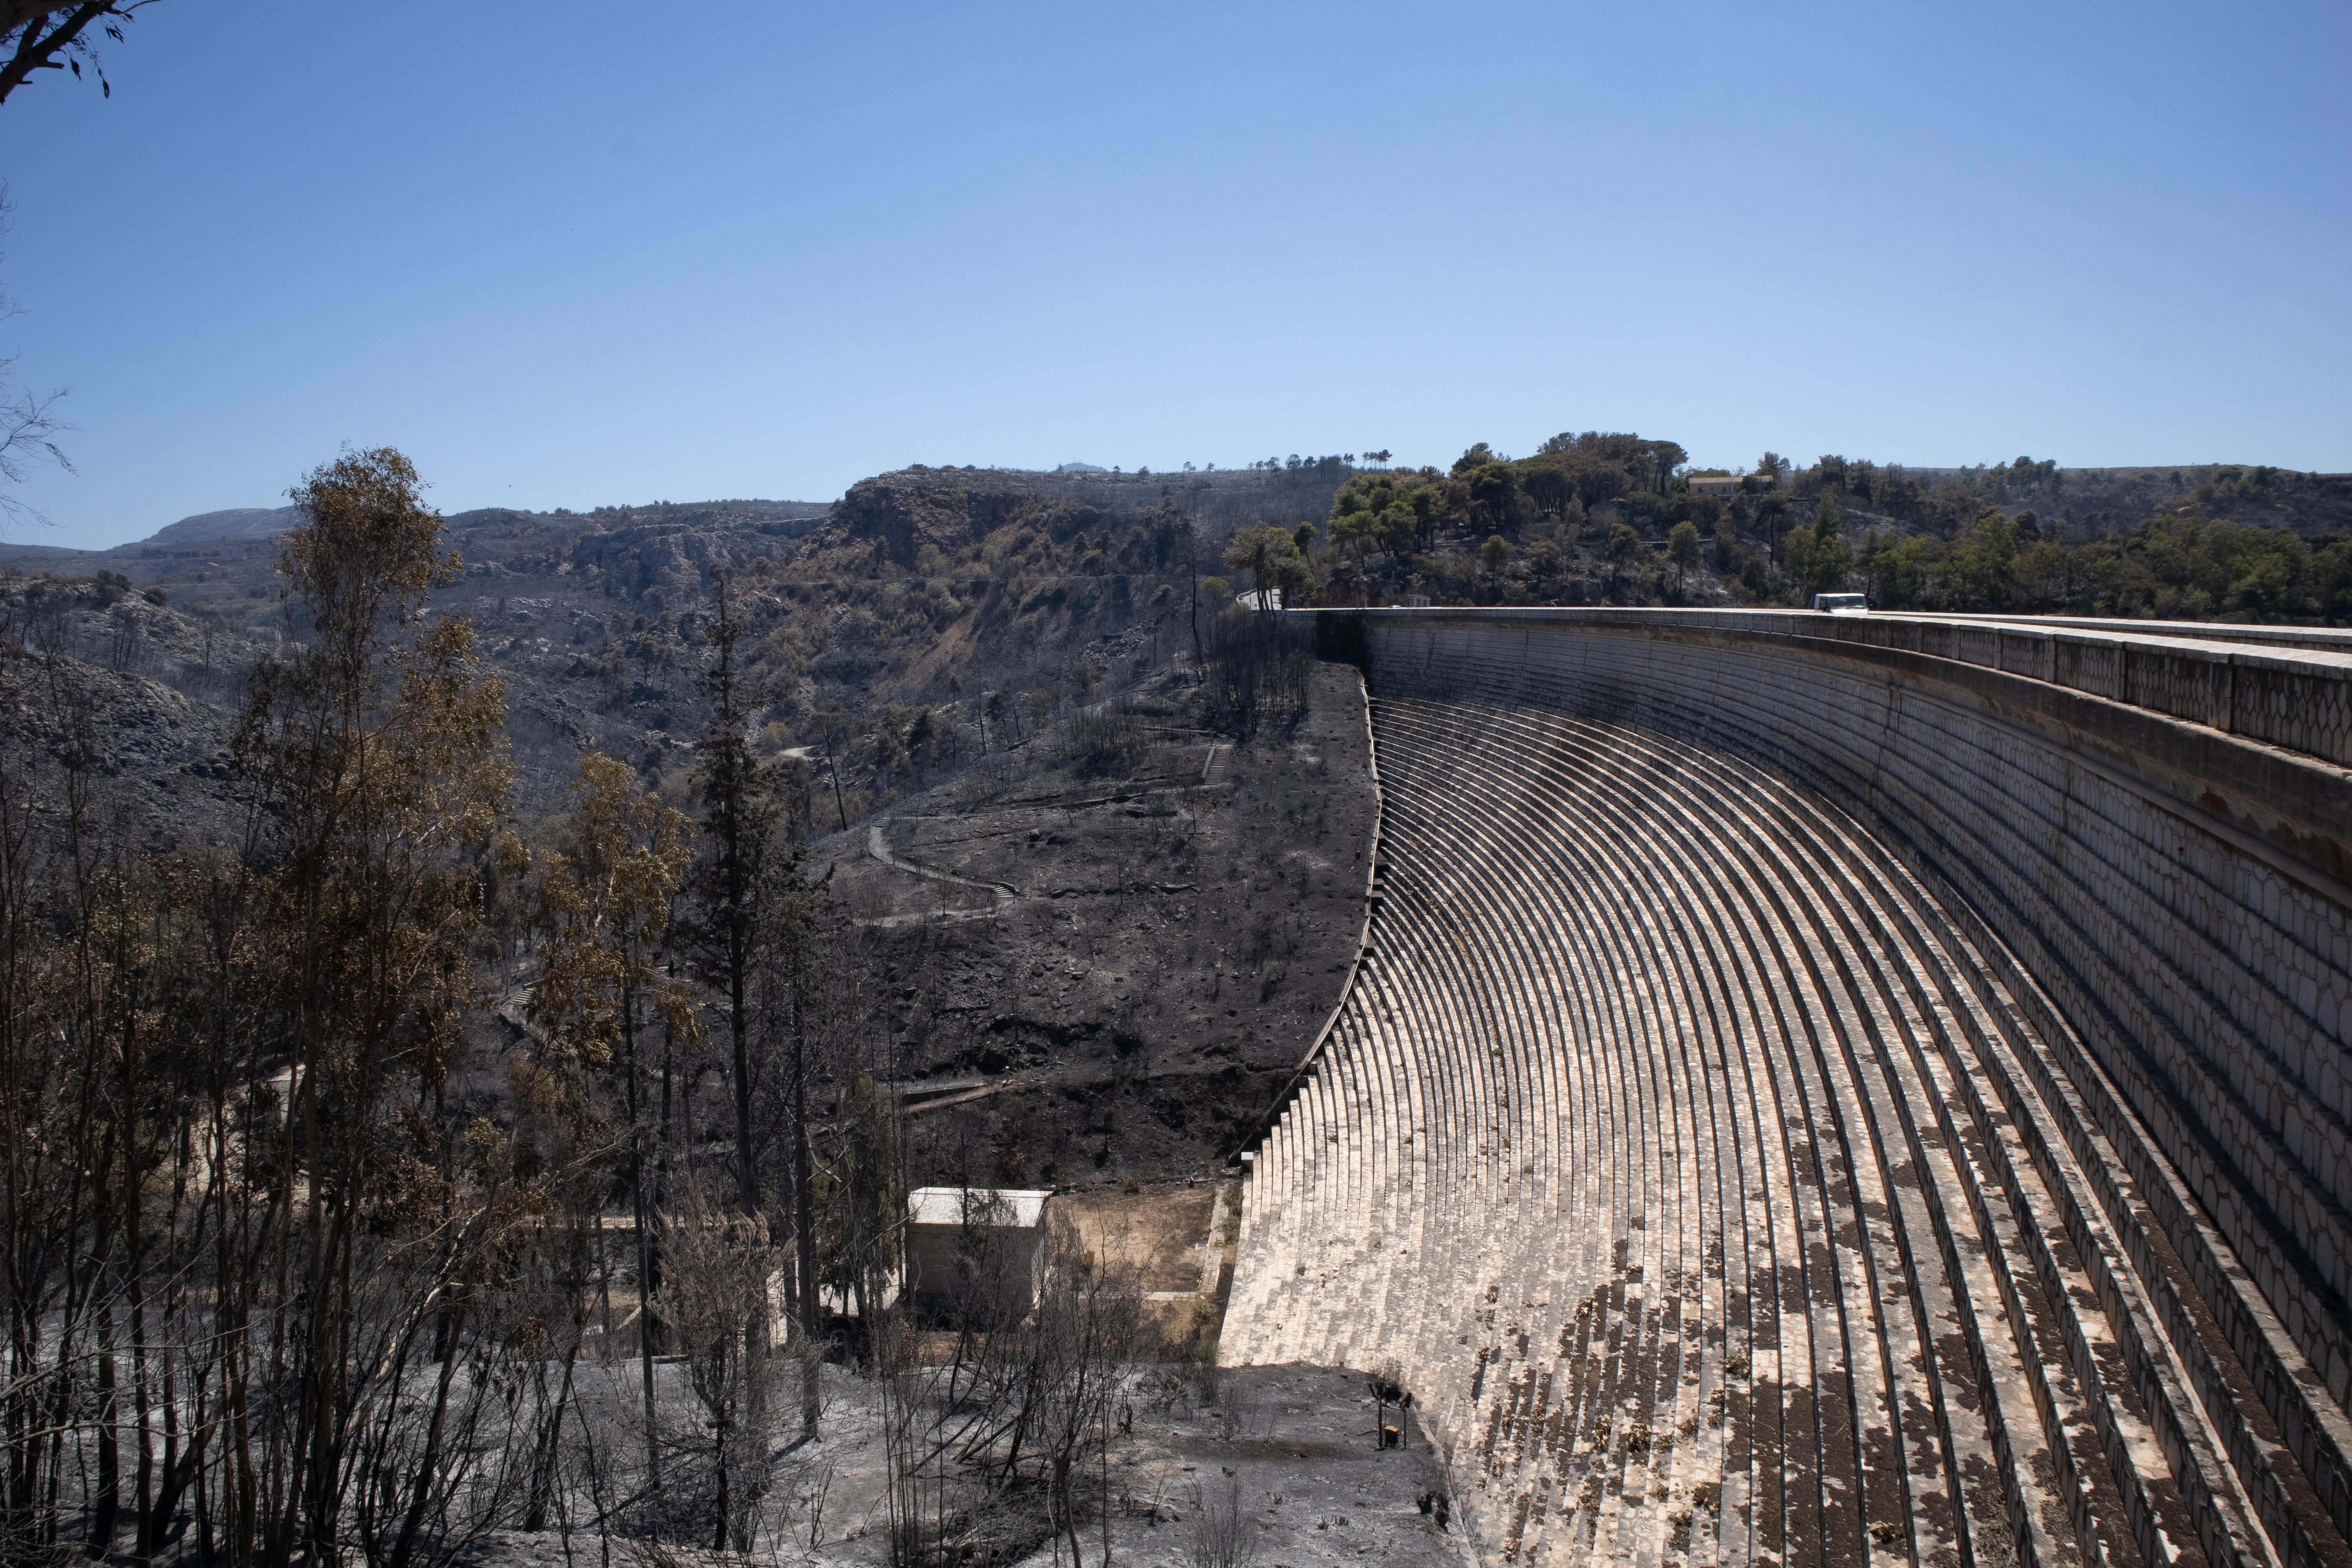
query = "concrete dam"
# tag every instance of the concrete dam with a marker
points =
(1845, 1090)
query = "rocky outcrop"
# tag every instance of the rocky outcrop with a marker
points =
(157, 762)
(948, 508)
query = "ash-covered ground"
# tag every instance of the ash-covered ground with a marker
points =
(1288, 1453)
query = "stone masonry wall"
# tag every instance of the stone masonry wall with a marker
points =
(1982, 988)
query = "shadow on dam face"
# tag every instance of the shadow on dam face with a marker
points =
(1842, 1090)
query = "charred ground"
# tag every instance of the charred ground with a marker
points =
(1123, 968)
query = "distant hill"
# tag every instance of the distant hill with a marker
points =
(237, 522)
(237, 538)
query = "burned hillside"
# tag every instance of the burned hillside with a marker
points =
(1089, 975)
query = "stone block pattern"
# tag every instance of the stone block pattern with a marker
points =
(1787, 1114)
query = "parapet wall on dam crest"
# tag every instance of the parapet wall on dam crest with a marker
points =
(1827, 1090)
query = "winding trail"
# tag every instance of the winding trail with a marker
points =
(1002, 893)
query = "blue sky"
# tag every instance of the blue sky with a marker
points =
(566, 254)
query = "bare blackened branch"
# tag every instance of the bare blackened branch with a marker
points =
(29, 431)
(46, 38)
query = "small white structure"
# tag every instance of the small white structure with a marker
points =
(1843, 604)
(975, 1247)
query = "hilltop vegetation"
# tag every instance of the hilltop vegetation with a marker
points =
(2213, 553)
(1596, 518)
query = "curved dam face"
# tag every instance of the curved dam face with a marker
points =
(1856, 1091)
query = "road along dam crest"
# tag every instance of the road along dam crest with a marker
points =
(1841, 1090)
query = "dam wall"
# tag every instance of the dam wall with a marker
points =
(1840, 1090)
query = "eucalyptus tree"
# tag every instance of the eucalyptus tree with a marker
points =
(605, 912)
(362, 1232)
